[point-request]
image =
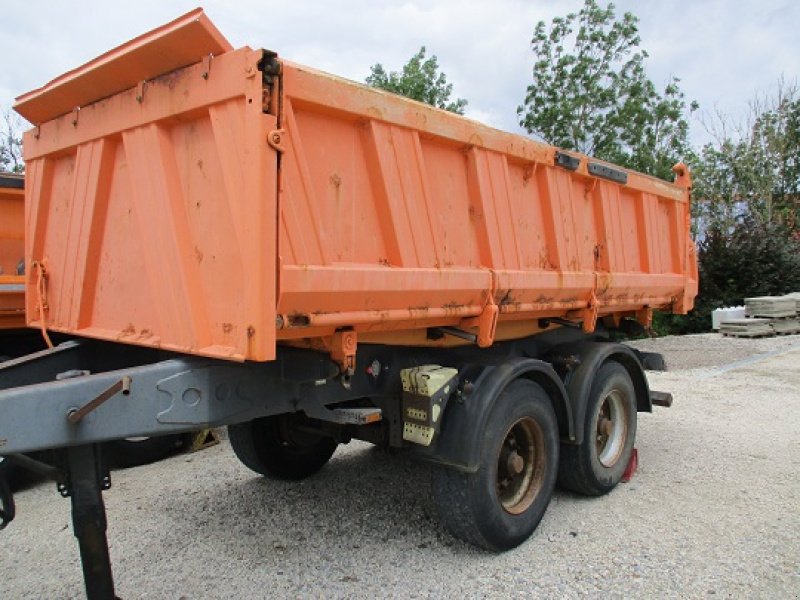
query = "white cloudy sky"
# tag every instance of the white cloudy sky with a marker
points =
(724, 51)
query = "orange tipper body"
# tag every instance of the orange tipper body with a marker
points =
(12, 251)
(185, 195)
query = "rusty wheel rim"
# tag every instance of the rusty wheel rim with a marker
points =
(520, 466)
(612, 429)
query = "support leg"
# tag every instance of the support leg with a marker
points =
(85, 483)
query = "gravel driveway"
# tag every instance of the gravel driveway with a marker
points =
(712, 511)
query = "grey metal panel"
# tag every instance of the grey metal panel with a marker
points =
(166, 397)
(48, 363)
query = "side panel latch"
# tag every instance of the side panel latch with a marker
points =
(343, 352)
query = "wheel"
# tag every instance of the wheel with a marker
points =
(16, 476)
(597, 465)
(276, 447)
(6, 503)
(499, 506)
(133, 452)
(7, 471)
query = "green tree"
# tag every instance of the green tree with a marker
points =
(752, 169)
(11, 143)
(752, 258)
(420, 80)
(774, 145)
(745, 204)
(590, 93)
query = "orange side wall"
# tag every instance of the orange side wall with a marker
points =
(395, 215)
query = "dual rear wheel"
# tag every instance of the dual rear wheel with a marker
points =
(499, 505)
(596, 466)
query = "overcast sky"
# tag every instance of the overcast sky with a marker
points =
(724, 51)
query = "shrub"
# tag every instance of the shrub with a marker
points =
(753, 258)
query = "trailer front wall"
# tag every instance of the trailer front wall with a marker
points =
(153, 214)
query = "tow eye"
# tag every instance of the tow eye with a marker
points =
(6, 504)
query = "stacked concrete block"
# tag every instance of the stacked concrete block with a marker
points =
(786, 326)
(767, 316)
(796, 297)
(771, 306)
(753, 327)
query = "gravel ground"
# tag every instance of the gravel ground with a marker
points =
(712, 511)
(711, 349)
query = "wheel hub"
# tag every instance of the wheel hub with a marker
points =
(612, 429)
(520, 465)
(515, 464)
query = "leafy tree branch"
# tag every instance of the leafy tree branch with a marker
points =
(420, 79)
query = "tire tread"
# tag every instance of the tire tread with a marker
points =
(574, 469)
(257, 445)
(457, 495)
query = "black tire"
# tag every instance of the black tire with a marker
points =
(276, 448)
(134, 452)
(500, 505)
(8, 472)
(596, 466)
(18, 477)
(7, 508)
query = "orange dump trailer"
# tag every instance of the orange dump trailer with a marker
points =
(229, 205)
(12, 252)
(238, 240)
